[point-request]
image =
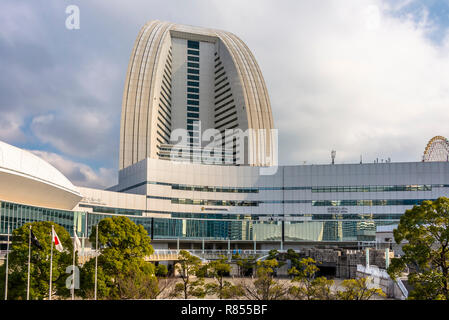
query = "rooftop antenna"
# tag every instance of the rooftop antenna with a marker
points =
(333, 154)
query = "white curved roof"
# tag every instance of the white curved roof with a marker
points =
(28, 179)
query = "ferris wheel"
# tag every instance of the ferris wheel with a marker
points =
(436, 150)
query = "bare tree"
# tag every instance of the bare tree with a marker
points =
(265, 286)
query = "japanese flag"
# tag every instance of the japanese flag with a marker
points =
(58, 244)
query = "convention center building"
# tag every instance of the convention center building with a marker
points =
(198, 161)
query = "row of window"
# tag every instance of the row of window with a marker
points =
(193, 65)
(225, 114)
(164, 124)
(313, 189)
(122, 211)
(194, 109)
(193, 90)
(193, 102)
(197, 226)
(268, 217)
(16, 215)
(193, 44)
(199, 151)
(396, 188)
(375, 202)
(215, 202)
(193, 83)
(213, 189)
(415, 187)
(315, 203)
(161, 228)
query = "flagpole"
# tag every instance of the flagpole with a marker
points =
(73, 269)
(96, 262)
(51, 264)
(29, 262)
(82, 248)
(7, 270)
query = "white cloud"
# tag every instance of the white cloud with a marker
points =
(354, 76)
(13, 17)
(80, 133)
(338, 81)
(10, 128)
(97, 77)
(78, 173)
(358, 76)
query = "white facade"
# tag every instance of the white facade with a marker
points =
(27, 179)
(365, 195)
(164, 66)
(303, 179)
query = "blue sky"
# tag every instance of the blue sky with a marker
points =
(438, 15)
(363, 77)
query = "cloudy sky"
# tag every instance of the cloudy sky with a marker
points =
(363, 77)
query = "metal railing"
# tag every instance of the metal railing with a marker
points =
(228, 252)
(402, 288)
(373, 244)
(382, 273)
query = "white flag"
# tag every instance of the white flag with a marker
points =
(77, 243)
(58, 244)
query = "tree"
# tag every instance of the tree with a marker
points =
(138, 285)
(425, 229)
(310, 287)
(265, 287)
(161, 270)
(165, 284)
(358, 289)
(323, 289)
(274, 254)
(218, 269)
(40, 262)
(192, 276)
(294, 257)
(123, 247)
(245, 265)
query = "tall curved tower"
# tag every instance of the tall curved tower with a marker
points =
(194, 79)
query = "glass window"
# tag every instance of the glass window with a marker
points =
(193, 77)
(194, 109)
(193, 44)
(194, 102)
(193, 83)
(193, 96)
(191, 58)
(194, 71)
(193, 65)
(196, 90)
(193, 115)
